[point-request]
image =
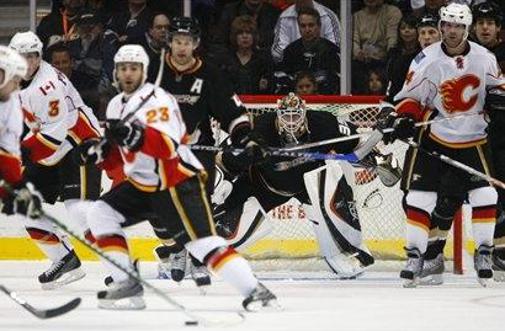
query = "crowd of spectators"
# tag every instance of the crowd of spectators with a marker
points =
(262, 46)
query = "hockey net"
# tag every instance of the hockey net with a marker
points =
(291, 243)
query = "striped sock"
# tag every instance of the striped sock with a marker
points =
(53, 246)
(115, 247)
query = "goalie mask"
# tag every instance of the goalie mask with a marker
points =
(291, 118)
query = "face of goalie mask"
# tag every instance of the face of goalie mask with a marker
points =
(291, 119)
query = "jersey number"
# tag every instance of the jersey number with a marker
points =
(54, 108)
(155, 115)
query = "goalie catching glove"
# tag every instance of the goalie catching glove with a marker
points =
(403, 127)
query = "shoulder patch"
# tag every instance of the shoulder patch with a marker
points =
(419, 57)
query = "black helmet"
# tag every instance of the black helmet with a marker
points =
(487, 10)
(428, 20)
(186, 25)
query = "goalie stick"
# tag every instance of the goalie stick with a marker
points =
(195, 318)
(42, 313)
(364, 134)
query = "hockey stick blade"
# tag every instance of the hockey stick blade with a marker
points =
(42, 313)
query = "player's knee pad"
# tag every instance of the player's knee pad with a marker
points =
(483, 196)
(77, 210)
(445, 209)
(423, 200)
(103, 219)
(201, 248)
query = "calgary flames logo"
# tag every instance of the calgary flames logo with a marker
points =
(452, 93)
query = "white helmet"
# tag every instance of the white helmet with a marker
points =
(456, 13)
(12, 64)
(26, 42)
(135, 54)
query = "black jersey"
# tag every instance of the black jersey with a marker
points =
(202, 93)
(499, 52)
(284, 176)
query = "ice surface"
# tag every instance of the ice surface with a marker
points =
(374, 302)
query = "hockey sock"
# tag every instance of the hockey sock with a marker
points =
(233, 268)
(54, 245)
(483, 224)
(418, 226)
(116, 247)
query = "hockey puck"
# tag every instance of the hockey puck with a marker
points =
(191, 323)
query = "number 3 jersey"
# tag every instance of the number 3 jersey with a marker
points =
(56, 115)
(164, 160)
(452, 86)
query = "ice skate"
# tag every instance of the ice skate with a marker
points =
(483, 264)
(413, 268)
(433, 270)
(125, 295)
(172, 263)
(200, 275)
(498, 267)
(64, 271)
(260, 298)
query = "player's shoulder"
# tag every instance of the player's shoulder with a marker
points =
(265, 122)
(481, 51)
(322, 121)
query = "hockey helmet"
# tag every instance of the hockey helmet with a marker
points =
(487, 10)
(184, 25)
(26, 42)
(456, 13)
(12, 64)
(291, 117)
(134, 54)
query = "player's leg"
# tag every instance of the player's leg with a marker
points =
(106, 218)
(335, 219)
(65, 267)
(196, 231)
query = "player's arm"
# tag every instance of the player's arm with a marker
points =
(49, 106)
(10, 169)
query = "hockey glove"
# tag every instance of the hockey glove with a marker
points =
(403, 127)
(129, 135)
(91, 151)
(252, 154)
(28, 201)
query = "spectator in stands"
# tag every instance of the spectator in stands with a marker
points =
(423, 7)
(399, 58)
(376, 82)
(374, 35)
(487, 21)
(60, 23)
(87, 49)
(265, 15)
(248, 67)
(305, 83)
(427, 30)
(127, 27)
(287, 30)
(154, 40)
(312, 52)
(60, 57)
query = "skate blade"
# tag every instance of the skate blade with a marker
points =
(432, 280)
(258, 306)
(485, 282)
(410, 283)
(131, 303)
(499, 276)
(66, 278)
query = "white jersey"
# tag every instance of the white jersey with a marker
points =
(453, 85)
(52, 107)
(161, 113)
(11, 125)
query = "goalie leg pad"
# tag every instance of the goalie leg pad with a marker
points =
(336, 223)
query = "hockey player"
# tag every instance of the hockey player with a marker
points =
(487, 23)
(447, 77)
(202, 93)
(325, 190)
(57, 120)
(165, 182)
(26, 200)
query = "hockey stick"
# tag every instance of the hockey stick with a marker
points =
(42, 313)
(456, 164)
(359, 153)
(364, 134)
(195, 318)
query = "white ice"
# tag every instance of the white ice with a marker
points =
(374, 302)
